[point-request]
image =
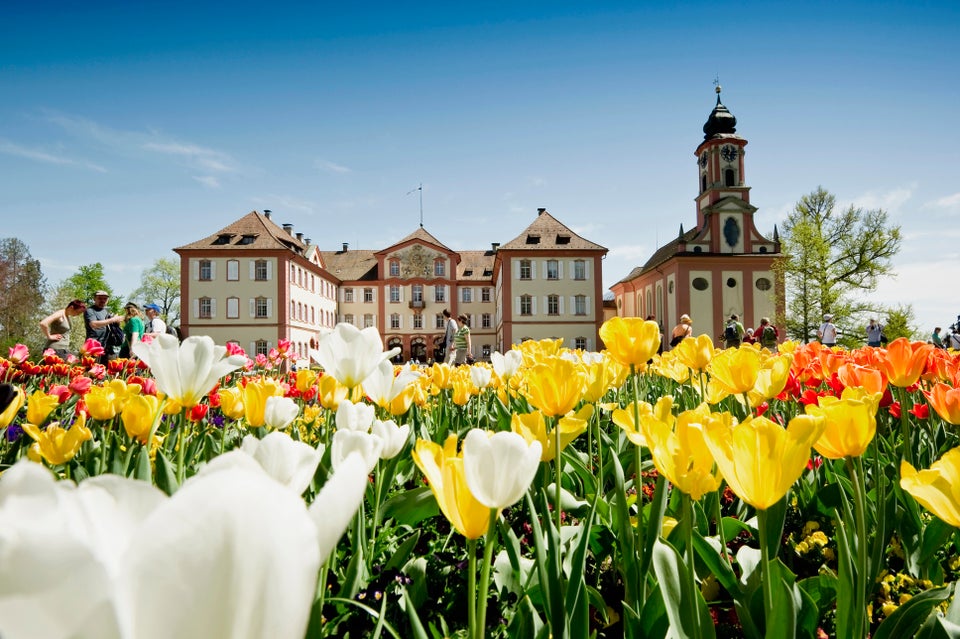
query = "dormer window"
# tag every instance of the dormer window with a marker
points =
(223, 238)
(247, 238)
(468, 272)
(563, 239)
(533, 239)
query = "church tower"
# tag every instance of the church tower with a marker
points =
(721, 266)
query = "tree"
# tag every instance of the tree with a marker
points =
(88, 280)
(828, 257)
(23, 284)
(900, 323)
(160, 285)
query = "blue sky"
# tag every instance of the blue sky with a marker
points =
(127, 129)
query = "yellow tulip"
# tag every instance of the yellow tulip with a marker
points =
(630, 340)
(771, 379)
(330, 392)
(138, 416)
(56, 445)
(680, 452)
(231, 402)
(443, 468)
(535, 350)
(554, 385)
(102, 402)
(39, 407)
(760, 459)
(851, 423)
(15, 398)
(305, 379)
(938, 487)
(695, 352)
(672, 368)
(734, 371)
(533, 428)
(462, 385)
(626, 420)
(255, 395)
(598, 378)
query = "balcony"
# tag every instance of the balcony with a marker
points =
(416, 304)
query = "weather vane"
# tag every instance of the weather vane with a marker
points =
(419, 188)
(716, 83)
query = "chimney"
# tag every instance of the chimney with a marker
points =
(494, 245)
(541, 212)
(288, 227)
(300, 236)
(267, 212)
(346, 245)
(307, 240)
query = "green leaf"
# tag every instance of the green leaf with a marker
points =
(526, 621)
(685, 607)
(142, 470)
(652, 623)
(413, 617)
(411, 507)
(166, 478)
(710, 555)
(402, 553)
(907, 620)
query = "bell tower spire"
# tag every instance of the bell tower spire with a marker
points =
(720, 160)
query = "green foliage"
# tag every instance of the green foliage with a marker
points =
(900, 323)
(23, 285)
(160, 285)
(829, 256)
(88, 280)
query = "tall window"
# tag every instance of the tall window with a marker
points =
(417, 320)
(580, 343)
(368, 295)
(439, 293)
(553, 270)
(233, 270)
(526, 305)
(579, 270)
(439, 268)
(580, 304)
(367, 320)
(440, 323)
(525, 269)
(394, 293)
(394, 268)
(486, 321)
(260, 305)
(233, 307)
(466, 295)
(260, 346)
(348, 318)
(417, 292)
(395, 321)
(553, 304)
(206, 270)
(485, 351)
(485, 294)
(205, 308)
(260, 271)
(348, 295)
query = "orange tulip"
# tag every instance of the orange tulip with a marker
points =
(905, 361)
(870, 379)
(946, 401)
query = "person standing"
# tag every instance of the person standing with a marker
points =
(768, 335)
(462, 342)
(451, 331)
(935, 338)
(733, 332)
(56, 327)
(681, 331)
(827, 333)
(153, 326)
(97, 320)
(874, 333)
(132, 329)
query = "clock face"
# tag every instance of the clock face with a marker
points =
(729, 153)
(703, 159)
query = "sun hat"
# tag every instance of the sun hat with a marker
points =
(827, 317)
(685, 318)
(101, 294)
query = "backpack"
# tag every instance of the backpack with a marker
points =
(730, 333)
(769, 336)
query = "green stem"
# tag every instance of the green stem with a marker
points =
(766, 575)
(484, 587)
(688, 515)
(472, 586)
(855, 468)
(905, 427)
(181, 451)
(557, 466)
(638, 486)
(377, 488)
(104, 445)
(720, 533)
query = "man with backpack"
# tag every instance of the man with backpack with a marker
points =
(733, 332)
(769, 336)
(827, 333)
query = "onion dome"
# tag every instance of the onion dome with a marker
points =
(721, 122)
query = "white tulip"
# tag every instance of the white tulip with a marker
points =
(279, 412)
(356, 417)
(382, 386)
(289, 462)
(394, 437)
(480, 376)
(506, 365)
(346, 442)
(350, 354)
(187, 371)
(499, 467)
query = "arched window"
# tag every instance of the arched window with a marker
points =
(729, 176)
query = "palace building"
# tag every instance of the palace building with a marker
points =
(255, 282)
(721, 266)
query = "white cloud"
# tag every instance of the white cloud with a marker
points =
(331, 167)
(889, 201)
(11, 148)
(195, 155)
(209, 181)
(631, 252)
(948, 203)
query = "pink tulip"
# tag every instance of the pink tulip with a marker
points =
(80, 385)
(92, 348)
(19, 354)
